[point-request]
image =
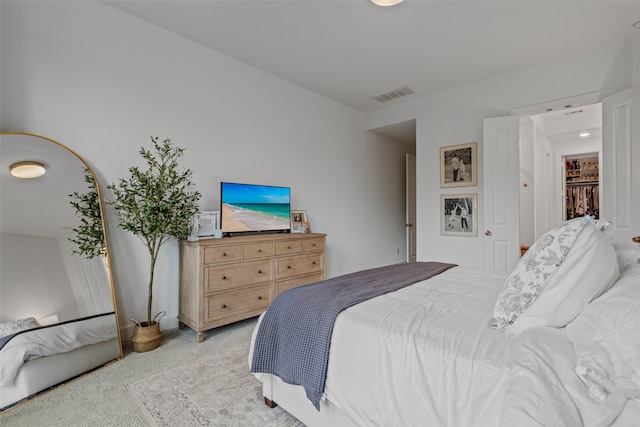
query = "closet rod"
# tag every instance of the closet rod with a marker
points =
(575, 184)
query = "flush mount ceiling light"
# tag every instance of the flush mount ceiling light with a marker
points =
(28, 169)
(386, 2)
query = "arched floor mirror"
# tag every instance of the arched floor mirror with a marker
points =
(58, 317)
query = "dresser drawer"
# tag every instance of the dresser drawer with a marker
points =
(244, 302)
(298, 266)
(288, 247)
(222, 254)
(258, 250)
(237, 275)
(309, 245)
(283, 285)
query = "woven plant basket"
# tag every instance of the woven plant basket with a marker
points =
(147, 337)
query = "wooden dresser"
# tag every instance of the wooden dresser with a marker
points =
(234, 278)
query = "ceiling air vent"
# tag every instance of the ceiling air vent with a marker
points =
(393, 94)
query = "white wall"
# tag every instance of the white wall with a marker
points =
(28, 291)
(546, 208)
(102, 82)
(456, 116)
(527, 182)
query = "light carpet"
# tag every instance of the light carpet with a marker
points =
(215, 391)
(103, 397)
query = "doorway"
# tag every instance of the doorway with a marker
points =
(411, 219)
(502, 186)
(550, 190)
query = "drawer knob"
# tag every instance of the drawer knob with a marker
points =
(289, 267)
(288, 247)
(224, 277)
(259, 271)
(224, 306)
(224, 254)
(259, 250)
(259, 296)
(314, 263)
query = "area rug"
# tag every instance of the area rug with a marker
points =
(216, 391)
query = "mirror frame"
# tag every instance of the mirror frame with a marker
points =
(107, 253)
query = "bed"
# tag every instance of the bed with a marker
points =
(554, 342)
(34, 358)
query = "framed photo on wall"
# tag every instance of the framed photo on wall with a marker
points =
(458, 165)
(459, 215)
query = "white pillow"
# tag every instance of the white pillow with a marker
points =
(606, 336)
(628, 258)
(588, 270)
(538, 265)
(17, 326)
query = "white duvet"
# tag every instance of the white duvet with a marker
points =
(52, 340)
(425, 356)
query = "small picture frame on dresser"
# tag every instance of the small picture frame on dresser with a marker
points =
(299, 221)
(207, 223)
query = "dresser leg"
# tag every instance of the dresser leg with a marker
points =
(199, 337)
(181, 325)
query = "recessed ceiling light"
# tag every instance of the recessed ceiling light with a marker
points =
(584, 134)
(386, 2)
(27, 169)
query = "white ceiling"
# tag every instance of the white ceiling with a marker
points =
(565, 126)
(352, 50)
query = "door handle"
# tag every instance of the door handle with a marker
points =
(487, 233)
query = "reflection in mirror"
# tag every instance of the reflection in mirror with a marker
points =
(56, 289)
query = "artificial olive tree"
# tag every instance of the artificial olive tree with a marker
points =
(89, 235)
(155, 203)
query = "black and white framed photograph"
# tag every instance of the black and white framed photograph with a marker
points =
(299, 221)
(204, 225)
(208, 222)
(459, 215)
(458, 165)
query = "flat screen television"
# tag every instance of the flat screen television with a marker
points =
(250, 208)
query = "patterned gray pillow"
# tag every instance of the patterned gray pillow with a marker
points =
(534, 271)
(17, 326)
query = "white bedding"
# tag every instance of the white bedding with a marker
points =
(425, 355)
(52, 340)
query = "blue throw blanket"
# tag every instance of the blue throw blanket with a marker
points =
(294, 336)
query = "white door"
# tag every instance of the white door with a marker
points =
(411, 207)
(501, 164)
(621, 163)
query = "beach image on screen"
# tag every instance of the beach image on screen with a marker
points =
(248, 207)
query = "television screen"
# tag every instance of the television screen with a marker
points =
(251, 208)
